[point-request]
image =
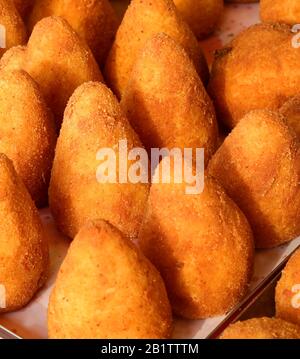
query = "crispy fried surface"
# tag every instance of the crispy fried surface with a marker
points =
(262, 328)
(258, 69)
(27, 130)
(201, 15)
(107, 289)
(143, 19)
(291, 111)
(287, 11)
(13, 59)
(59, 62)
(94, 21)
(287, 291)
(201, 244)
(93, 120)
(15, 31)
(172, 108)
(259, 167)
(23, 248)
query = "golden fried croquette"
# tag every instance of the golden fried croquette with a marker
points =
(23, 6)
(94, 21)
(172, 108)
(259, 166)
(287, 11)
(201, 15)
(23, 248)
(287, 297)
(13, 59)
(107, 289)
(13, 31)
(262, 328)
(93, 121)
(59, 62)
(142, 20)
(241, 1)
(27, 132)
(202, 245)
(291, 111)
(258, 69)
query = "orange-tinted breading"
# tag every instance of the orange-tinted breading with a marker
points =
(27, 130)
(13, 31)
(172, 108)
(23, 247)
(287, 297)
(143, 19)
(201, 15)
(59, 61)
(259, 166)
(259, 69)
(202, 245)
(13, 59)
(262, 328)
(287, 11)
(94, 21)
(107, 289)
(93, 120)
(291, 111)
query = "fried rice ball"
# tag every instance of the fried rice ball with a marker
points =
(259, 166)
(94, 21)
(13, 31)
(201, 15)
(23, 6)
(287, 295)
(27, 130)
(93, 121)
(258, 69)
(142, 20)
(23, 248)
(202, 245)
(287, 11)
(107, 289)
(172, 108)
(13, 59)
(241, 1)
(291, 111)
(59, 62)
(262, 328)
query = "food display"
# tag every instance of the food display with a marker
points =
(159, 140)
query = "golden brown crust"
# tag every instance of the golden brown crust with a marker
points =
(27, 129)
(287, 11)
(15, 30)
(23, 248)
(93, 120)
(107, 289)
(259, 166)
(201, 15)
(59, 62)
(201, 244)
(287, 291)
(94, 21)
(258, 69)
(172, 108)
(143, 19)
(291, 111)
(13, 59)
(262, 328)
